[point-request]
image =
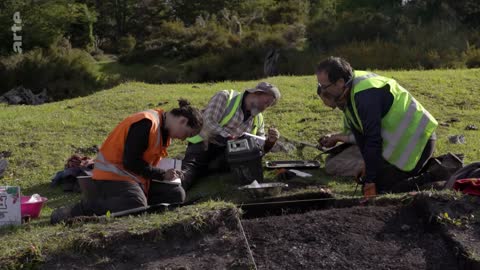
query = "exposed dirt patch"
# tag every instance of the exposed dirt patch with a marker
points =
(459, 221)
(27, 163)
(27, 144)
(5, 154)
(389, 237)
(218, 245)
(89, 150)
(224, 250)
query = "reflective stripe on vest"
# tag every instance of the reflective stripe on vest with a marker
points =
(257, 123)
(102, 164)
(233, 103)
(357, 80)
(405, 128)
(231, 107)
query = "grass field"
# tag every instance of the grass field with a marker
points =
(41, 138)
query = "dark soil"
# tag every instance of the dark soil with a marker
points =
(389, 237)
(221, 248)
(462, 227)
(27, 144)
(89, 150)
(5, 154)
(225, 250)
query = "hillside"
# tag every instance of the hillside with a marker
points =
(38, 139)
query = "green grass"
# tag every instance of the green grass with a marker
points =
(57, 128)
(29, 244)
(148, 71)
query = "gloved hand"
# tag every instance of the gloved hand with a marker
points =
(369, 190)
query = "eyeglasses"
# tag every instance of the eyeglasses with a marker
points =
(321, 88)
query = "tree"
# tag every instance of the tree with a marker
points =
(288, 12)
(188, 10)
(46, 22)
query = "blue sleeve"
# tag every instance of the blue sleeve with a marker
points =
(372, 105)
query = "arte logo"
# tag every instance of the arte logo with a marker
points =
(3, 202)
(17, 27)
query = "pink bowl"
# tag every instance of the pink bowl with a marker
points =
(31, 209)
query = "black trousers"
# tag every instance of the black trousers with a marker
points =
(198, 162)
(115, 196)
(392, 179)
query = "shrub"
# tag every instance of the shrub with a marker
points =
(174, 39)
(126, 44)
(472, 57)
(235, 64)
(63, 72)
(377, 54)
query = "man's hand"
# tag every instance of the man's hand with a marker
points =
(360, 175)
(273, 135)
(205, 143)
(328, 141)
(172, 174)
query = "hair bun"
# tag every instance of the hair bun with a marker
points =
(183, 103)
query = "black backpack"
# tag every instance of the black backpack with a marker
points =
(469, 171)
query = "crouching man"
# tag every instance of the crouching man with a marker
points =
(228, 115)
(394, 132)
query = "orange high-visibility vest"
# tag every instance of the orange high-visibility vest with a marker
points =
(109, 161)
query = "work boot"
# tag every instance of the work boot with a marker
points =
(443, 167)
(61, 214)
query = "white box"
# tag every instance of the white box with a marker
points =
(170, 163)
(10, 206)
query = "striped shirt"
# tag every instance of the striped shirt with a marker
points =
(212, 115)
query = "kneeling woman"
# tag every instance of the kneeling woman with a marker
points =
(125, 164)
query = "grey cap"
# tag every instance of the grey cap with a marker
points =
(267, 88)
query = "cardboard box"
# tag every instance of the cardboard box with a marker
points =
(10, 206)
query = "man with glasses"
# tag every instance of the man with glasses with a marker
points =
(395, 133)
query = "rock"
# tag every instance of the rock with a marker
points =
(457, 139)
(471, 127)
(21, 95)
(453, 120)
(283, 146)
